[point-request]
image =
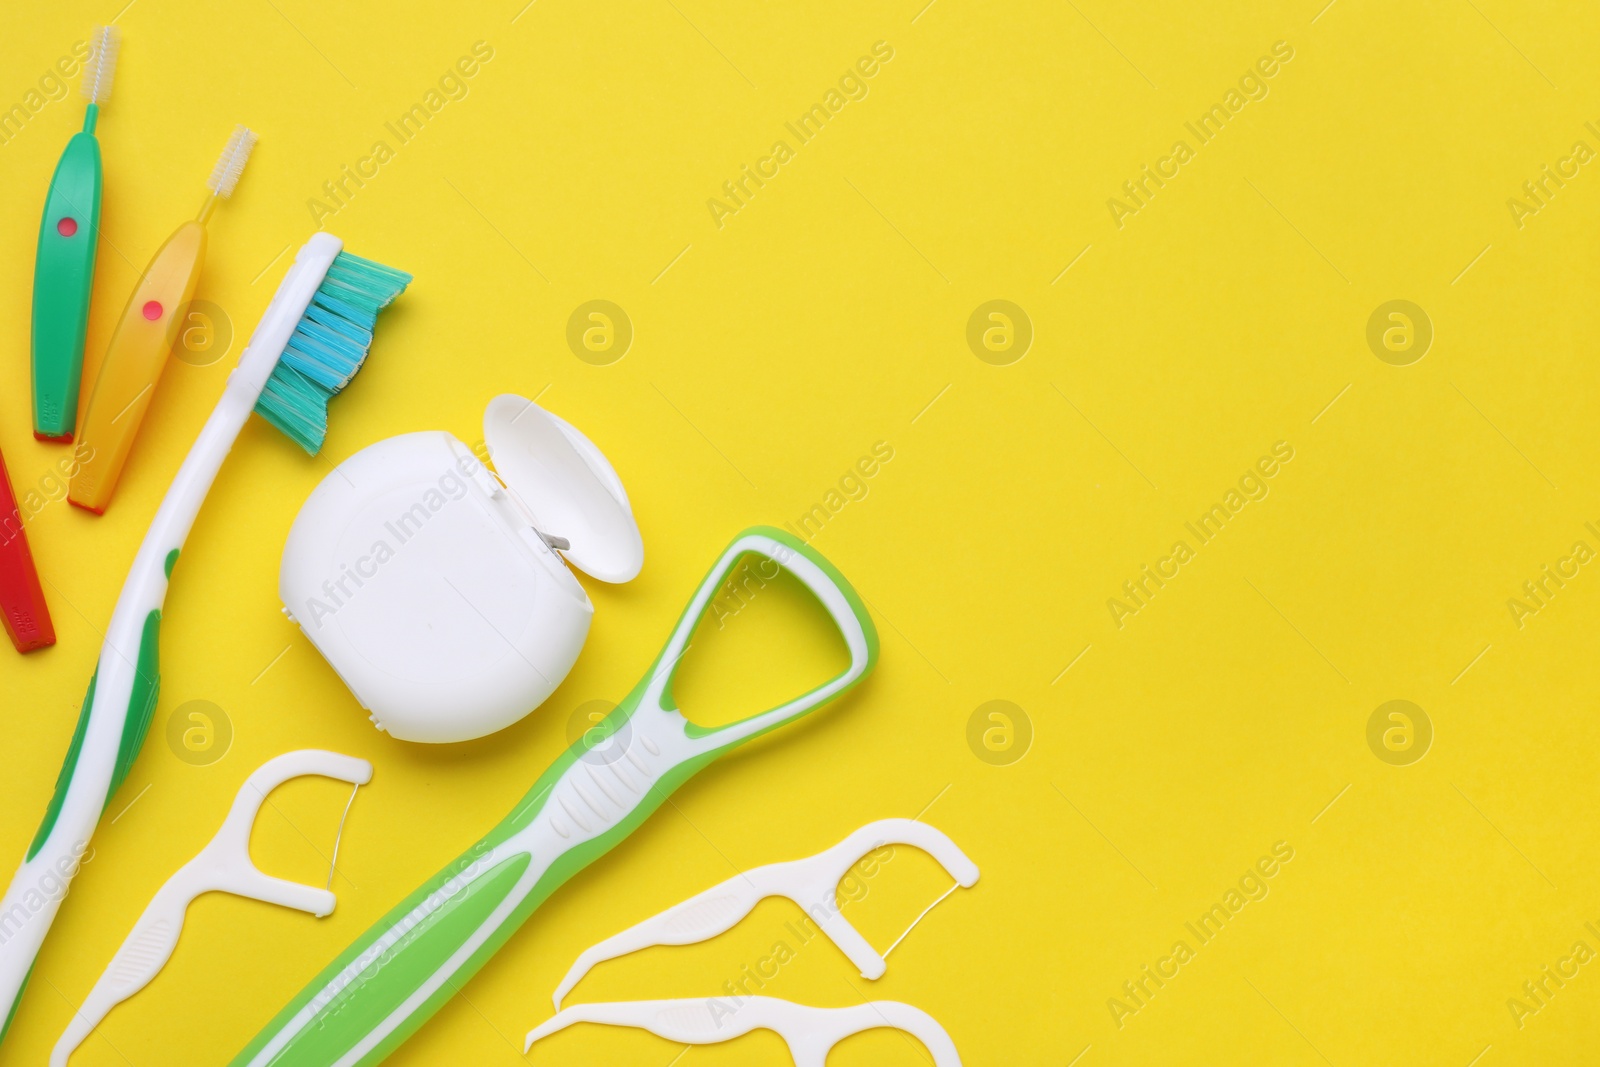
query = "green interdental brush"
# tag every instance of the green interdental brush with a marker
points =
(63, 274)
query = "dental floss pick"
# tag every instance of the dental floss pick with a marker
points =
(224, 865)
(811, 1033)
(811, 883)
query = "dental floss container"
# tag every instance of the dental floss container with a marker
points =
(439, 592)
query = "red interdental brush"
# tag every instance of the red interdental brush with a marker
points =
(27, 618)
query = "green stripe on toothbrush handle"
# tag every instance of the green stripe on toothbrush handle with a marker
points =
(69, 767)
(136, 724)
(141, 704)
(62, 282)
(12, 1014)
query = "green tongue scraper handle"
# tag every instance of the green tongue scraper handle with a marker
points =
(63, 274)
(387, 984)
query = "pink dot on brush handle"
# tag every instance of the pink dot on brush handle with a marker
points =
(152, 310)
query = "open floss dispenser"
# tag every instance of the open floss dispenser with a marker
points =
(439, 592)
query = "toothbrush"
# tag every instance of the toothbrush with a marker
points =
(63, 273)
(138, 352)
(22, 603)
(309, 344)
(396, 975)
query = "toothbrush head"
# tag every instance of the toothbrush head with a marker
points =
(102, 64)
(225, 175)
(331, 339)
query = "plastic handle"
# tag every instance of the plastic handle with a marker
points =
(811, 883)
(133, 364)
(391, 980)
(811, 1033)
(22, 604)
(224, 865)
(63, 277)
(122, 694)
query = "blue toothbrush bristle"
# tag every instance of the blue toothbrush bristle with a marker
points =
(328, 346)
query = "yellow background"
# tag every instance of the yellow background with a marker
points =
(829, 314)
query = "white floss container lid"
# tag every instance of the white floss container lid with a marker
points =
(432, 587)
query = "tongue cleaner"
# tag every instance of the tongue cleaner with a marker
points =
(811, 883)
(223, 866)
(809, 1032)
(387, 983)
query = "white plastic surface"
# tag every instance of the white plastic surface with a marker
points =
(427, 589)
(567, 485)
(425, 582)
(224, 865)
(809, 1032)
(811, 883)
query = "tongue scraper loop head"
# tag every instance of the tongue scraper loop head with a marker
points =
(811, 883)
(224, 866)
(809, 1032)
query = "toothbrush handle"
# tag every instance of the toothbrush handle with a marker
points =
(116, 712)
(122, 693)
